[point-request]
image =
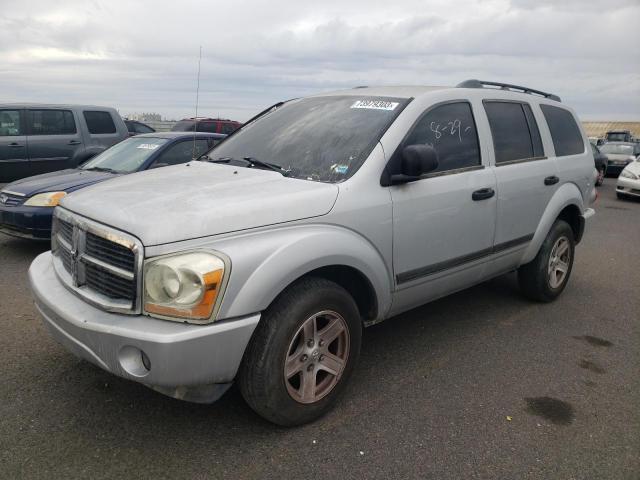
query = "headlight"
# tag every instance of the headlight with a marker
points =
(187, 286)
(627, 174)
(48, 199)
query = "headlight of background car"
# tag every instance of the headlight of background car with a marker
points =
(627, 174)
(48, 199)
(184, 286)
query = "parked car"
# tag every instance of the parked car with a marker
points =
(40, 138)
(203, 124)
(619, 155)
(619, 136)
(264, 263)
(629, 181)
(26, 206)
(601, 161)
(597, 141)
(136, 128)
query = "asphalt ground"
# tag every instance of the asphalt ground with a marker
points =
(482, 384)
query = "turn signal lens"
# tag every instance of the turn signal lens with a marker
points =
(48, 199)
(186, 286)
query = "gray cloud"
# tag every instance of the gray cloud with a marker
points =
(142, 56)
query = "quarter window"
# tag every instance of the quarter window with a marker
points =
(451, 130)
(566, 136)
(10, 125)
(51, 122)
(99, 122)
(514, 130)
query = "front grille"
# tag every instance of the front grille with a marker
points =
(11, 200)
(110, 252)
(109, 284)
(97, 262)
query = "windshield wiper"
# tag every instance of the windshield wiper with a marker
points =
(102, 169)
(252, 161)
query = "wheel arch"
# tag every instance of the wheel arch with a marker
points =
(280, 258)
(566, 204)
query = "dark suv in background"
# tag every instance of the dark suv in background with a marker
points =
(211, 125)
(40, 138)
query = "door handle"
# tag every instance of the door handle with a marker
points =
(483, 194)
(74, 142)
(552, 180)
(14, 144)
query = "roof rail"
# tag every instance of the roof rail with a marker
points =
(506, 86)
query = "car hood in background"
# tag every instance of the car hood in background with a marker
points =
(634, 167)
(60, 181)
(199, 199)
(620, 156)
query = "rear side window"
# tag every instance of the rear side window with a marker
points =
(209, 127)
(451, 130)
(99, 122)
(10, 125)
(51, 122)
(514, 130)
(228, 128)
(566, 136)
(184, 151)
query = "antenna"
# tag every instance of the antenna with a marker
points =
(195, 123)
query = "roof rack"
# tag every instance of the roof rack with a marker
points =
(473, 83)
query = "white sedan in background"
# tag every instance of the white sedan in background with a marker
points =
(629, 181)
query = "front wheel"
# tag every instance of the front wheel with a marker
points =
(545, 277)
(302, 353)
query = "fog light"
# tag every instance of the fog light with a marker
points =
(134, 361)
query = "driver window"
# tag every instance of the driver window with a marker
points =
(451, 130)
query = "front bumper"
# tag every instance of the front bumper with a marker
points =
(628, 186)
(33, 223)
(190, 362)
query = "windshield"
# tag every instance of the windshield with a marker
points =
(126, 156)
(621, 149)
(617, 137)
(325, 139)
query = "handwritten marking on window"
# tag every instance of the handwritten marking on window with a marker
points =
(451, 128)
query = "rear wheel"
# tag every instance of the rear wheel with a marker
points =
(302, 353)
(545, 277)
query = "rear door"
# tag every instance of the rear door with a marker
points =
(526, 177)
(53, 138)
(13, 145)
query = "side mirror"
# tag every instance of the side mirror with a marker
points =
(158, 165)
(416, 161)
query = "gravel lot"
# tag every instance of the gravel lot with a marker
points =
(482, 384)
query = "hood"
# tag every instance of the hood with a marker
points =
(634, 167)
(199, 199)
(62, 180)
(620, 156)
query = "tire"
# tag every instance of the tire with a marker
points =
(542, 279)
(601, 174)
(280, 342)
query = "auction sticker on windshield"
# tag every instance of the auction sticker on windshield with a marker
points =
(148, 146)
(375, 104)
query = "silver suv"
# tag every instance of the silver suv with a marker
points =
(263, 262)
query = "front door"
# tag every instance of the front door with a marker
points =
(444, 223)
(13, 146)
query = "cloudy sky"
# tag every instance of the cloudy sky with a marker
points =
(143, 55)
